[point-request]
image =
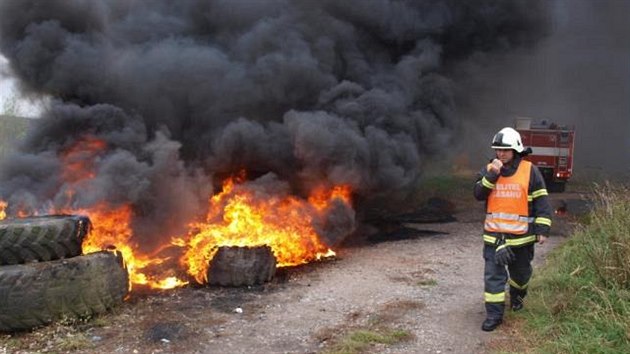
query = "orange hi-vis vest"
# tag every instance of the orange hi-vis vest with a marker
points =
(507, 210)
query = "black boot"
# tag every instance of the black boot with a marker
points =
(490, 324)
(516, 303)
(516, 299)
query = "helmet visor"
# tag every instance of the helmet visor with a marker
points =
(497, 142)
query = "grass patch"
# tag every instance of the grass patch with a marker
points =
(63, 336)
(73, 342)
(580, 302)
(450, 185)
(359, 341)
(427, 282)
(365, 334)
(456, 188)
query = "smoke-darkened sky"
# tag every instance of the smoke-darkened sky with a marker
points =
(186, 92)
(578, 75)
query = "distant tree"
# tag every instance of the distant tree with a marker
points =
(12, 126)
(11, 106)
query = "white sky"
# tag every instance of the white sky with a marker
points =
(8, 91)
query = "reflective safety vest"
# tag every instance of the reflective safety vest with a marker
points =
(507, 210)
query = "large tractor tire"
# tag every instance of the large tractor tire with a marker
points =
(41, 238)
(36, 294)
(242, 266)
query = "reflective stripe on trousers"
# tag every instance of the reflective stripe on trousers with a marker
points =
(516, 241)
(496, 278)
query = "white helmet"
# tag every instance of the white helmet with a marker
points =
(508, 138)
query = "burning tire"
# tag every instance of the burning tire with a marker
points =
(36, 294)
(242, 266)
(42, 238)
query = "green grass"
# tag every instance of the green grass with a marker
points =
(580, 301)
(371, 333)
(456, 187)
(427, 282)
(74, 342)
(448, 185)
(359, 341)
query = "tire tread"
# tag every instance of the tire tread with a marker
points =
(41, 239)
(36, 294)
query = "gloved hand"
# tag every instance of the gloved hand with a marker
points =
(494, 166)
(503, 255)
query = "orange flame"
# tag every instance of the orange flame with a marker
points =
(110, 228)
(110, 225)
(79, 159)
(237, 217)
(3, 207)
(321, 197)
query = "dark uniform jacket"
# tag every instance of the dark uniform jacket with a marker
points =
(538, 203)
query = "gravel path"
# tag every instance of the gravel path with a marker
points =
(429, 285)
(432, 284)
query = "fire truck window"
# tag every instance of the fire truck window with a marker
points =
(564, 137)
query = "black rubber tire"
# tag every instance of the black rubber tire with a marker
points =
(242, 266)
(36, 294)
(42, 238)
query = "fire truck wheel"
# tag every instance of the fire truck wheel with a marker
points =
(42, 238)
(37, 294)
(242, 266)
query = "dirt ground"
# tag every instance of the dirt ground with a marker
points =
(428, 285)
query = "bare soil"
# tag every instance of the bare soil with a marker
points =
(428, 284)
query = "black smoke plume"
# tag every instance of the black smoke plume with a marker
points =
(187, 92)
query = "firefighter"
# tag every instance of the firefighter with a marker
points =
(518, 215)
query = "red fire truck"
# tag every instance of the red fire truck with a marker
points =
(552, 149)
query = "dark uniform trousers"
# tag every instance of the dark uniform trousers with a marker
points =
(496, 276)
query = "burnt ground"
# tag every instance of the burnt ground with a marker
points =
(423, 283)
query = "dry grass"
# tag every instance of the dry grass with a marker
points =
(612, 263)
(64, 336)
(362, 333)
(580, 301)
(427, 282)
(419, 278)
(133, 325)
(515, 339)
(362, 340)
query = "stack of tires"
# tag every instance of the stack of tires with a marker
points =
(44, 277)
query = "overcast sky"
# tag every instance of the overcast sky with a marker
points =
(579, 75)
(8, 91)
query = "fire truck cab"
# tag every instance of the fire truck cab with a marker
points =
(552, 149)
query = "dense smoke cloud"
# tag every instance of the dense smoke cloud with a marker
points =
(578, 75)
(184, 92)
